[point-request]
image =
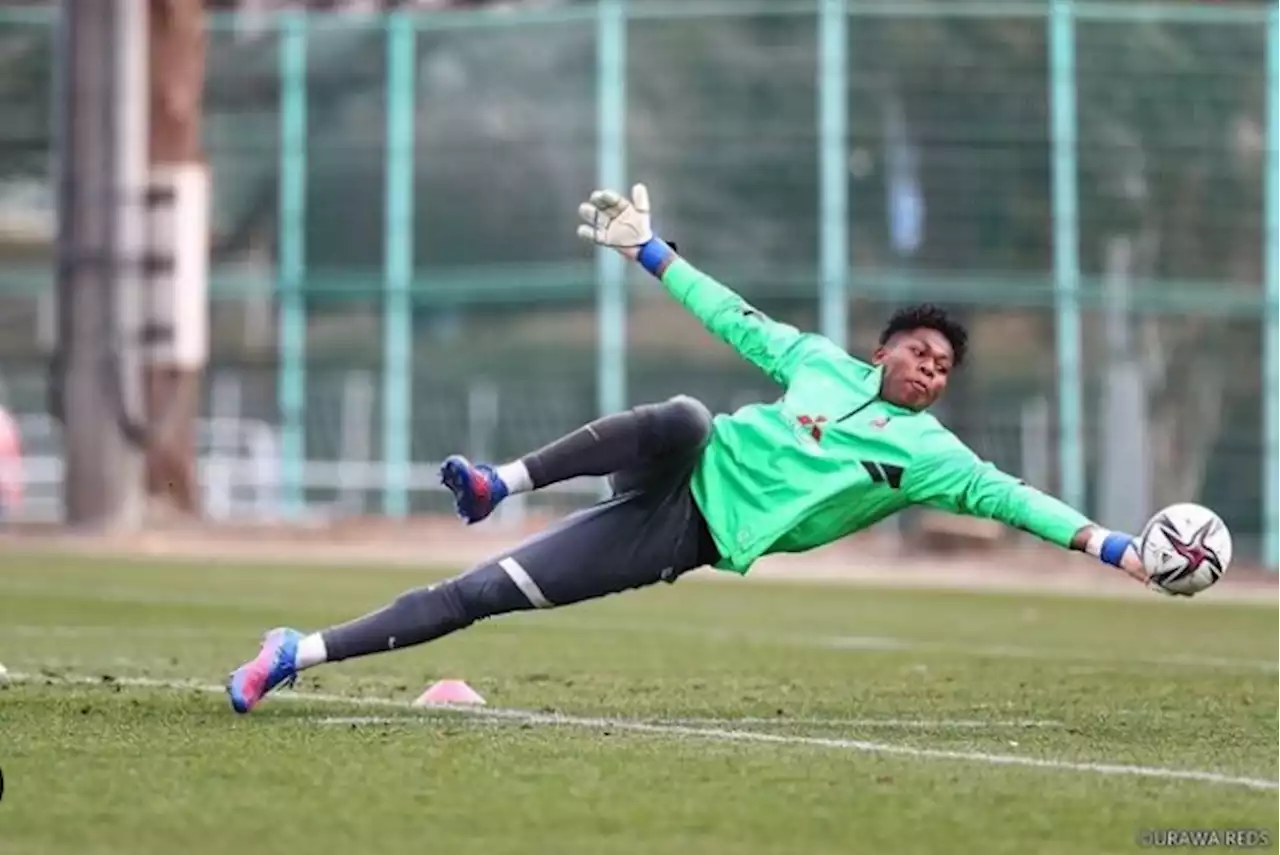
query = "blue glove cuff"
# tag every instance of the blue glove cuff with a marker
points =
(1114, 547)
(654, 254)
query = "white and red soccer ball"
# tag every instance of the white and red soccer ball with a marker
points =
(1185, 548)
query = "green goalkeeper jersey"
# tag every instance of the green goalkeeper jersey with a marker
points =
(831, 457)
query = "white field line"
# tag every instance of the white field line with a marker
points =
(762, 721)
(709, 733)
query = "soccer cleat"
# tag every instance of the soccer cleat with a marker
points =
(274, 665)
(476, 489)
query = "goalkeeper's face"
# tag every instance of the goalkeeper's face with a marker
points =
(916, 366)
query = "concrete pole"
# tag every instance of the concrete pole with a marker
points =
(101, 164)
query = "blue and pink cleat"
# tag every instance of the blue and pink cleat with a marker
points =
(476, 488)
(275, 664)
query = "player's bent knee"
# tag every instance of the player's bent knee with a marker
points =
(688, 421)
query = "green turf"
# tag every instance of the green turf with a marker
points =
(99, 766)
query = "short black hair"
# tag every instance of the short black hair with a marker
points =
(931, 317)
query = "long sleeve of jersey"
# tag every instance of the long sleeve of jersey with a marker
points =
(960, 482)
(775, 348)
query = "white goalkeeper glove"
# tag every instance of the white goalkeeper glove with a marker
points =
(623, 224)
(617, 222)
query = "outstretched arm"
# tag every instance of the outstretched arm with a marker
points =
(958, 481)
(775, 348)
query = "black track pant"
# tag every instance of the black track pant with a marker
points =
(649, 531)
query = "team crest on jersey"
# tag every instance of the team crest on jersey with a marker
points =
(814, 425)
(880, 422)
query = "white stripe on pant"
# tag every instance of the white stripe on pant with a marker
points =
(524, 582)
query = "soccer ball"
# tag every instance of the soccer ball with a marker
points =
(1185, 548)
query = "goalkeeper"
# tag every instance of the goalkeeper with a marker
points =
(849, 443)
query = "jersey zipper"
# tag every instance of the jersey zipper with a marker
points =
(856, 410)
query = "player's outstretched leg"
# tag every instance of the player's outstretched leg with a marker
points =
(631, 441)
(633, 540)
(413, 618)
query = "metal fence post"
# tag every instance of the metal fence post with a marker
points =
(611, 93)
(833, 205)
(1066, 251)
(1271, 273)
(291, 381)
(397, 306)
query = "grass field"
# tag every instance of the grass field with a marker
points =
(702, 718)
